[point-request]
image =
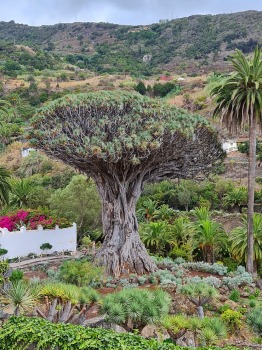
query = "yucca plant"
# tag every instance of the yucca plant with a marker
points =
(175, 325)
(213, 329)
(19, 298)
(65, 302)
(199, 294)
(135, 308)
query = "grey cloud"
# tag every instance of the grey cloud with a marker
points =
(115, 11)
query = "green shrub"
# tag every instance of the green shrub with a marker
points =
(254, 319)
(80, 272)
(16, 275)
(233, 320)
(234, 295)
(20, 332)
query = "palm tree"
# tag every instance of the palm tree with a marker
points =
(21, 191)
(238, 239)
(154, 235)
(239, 102)
(208, 235)
(236, 198)
(5, 186)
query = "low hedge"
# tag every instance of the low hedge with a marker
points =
(35, 333)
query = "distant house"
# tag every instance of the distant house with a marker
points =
(147, 58)
(229, 146)
(25, 151)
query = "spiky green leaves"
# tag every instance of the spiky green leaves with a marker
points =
(136, 307)
(120, 127)
(239, 96)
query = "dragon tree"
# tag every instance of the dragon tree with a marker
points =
(123, 140)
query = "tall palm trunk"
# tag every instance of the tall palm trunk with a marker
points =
(251, 193)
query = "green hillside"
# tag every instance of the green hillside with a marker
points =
(193, 44)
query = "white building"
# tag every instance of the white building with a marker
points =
(230, 146)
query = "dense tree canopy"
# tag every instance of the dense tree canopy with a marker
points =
(123, 140)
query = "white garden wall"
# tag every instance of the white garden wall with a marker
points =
(23, 242)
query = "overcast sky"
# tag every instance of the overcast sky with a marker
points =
(37, 12)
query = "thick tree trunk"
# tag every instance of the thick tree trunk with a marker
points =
(251, 192)
(122, 250)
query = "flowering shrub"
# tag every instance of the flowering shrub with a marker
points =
(31, 219)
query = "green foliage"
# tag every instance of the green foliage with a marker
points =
(254, 319)
(233, 320)
(162, 90)
(142, 131)
(236, 198)
(21, 191)
(199, 294)
(16, 275)
(19, 298)
(140, 87)
(208, 234)
(234, 295)
(3, 251)
(212, 330)
(46, 246)
(175, 325)
(238, 239)
(5, 187)
(79, 272)
(135, 308)
(19, 332)
(78, 202)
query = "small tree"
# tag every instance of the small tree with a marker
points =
(3, 252)
(135, 308)
(199, 294)
(124, 140)
(176, 326)
(141, 88)
(46, 246)
(64, 302)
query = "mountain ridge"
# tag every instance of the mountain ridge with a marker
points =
(198, 43)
